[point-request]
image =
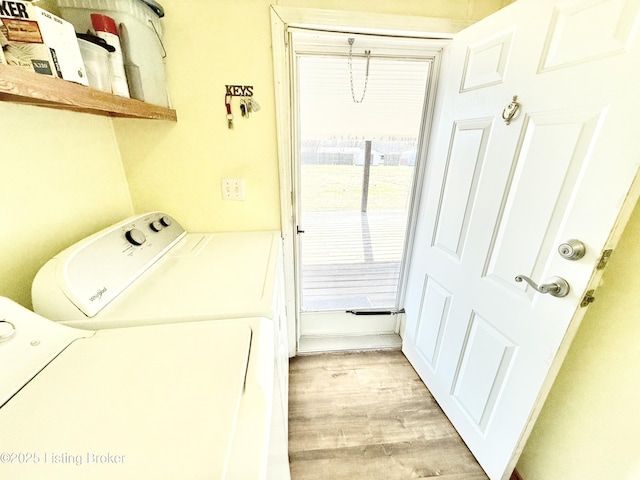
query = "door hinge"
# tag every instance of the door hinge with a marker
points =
(604, 258)
(588, 298)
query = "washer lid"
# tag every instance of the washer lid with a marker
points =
(155, 402)
(28, 342)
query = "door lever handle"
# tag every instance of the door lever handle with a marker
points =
(555, 286)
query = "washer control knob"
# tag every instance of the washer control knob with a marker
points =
(135, 237)
(156, 226)
(165, 220)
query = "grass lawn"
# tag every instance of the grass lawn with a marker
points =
(339, 187)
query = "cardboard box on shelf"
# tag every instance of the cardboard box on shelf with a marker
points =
(37, 40)
(22, 42)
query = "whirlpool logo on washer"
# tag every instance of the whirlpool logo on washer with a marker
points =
(98, 294)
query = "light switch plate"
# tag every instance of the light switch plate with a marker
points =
(233, 188)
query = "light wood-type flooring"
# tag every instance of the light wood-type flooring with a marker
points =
(367, 415)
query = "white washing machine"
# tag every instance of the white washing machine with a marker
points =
(148, 270)
(163, 401)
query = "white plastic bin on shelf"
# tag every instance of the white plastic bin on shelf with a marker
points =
(96, 63)
(145, 36)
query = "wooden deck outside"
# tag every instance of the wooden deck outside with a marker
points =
(351, 259)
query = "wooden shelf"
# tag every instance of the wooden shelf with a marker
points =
(21, 86)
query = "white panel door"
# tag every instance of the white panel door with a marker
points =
(500, 198)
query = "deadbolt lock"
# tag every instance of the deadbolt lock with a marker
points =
(572, 249)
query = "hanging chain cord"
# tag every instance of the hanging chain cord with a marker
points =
(366, 78)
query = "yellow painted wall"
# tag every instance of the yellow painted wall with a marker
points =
(61, 179)
(589, 427)
(178, 167)
(461, 9)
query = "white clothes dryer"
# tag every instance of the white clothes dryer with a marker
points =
(148, 270)
(163, 401)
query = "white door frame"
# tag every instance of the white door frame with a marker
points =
(381, 24)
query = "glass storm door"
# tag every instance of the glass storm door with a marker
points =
(360, 102)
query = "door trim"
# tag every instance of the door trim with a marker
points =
(379, 24)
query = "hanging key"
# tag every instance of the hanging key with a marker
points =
(227, 104)
(243, 108)
(255, 106)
